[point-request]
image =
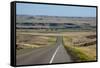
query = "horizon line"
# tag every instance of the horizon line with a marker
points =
(52, 15)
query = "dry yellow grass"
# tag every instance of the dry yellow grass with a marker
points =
(85, 53)
(33, 41)
(89, 51)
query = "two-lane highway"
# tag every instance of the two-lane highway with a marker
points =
(45, 55)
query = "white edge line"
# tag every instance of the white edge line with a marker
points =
(54, 55)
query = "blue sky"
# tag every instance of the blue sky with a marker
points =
(54, 10)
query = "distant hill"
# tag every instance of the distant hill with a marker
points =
(26, 21)
(55, 19)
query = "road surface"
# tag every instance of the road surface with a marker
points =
(45, 55)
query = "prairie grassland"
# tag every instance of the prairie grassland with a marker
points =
(33, 41)
(56, 33)
(82, 46)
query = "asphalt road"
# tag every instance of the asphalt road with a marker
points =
(45, 55)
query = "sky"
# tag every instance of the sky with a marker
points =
(54, 10)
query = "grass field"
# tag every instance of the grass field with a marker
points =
(81, 46)
(33, 41)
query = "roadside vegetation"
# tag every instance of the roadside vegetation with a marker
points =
(25, 42)
(34, 41)
(81, 48)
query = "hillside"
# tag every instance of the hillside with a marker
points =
(26, 21)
